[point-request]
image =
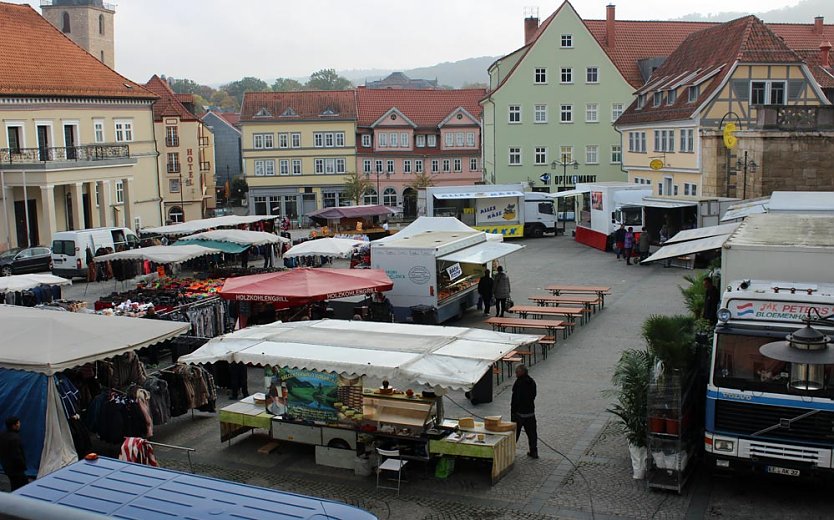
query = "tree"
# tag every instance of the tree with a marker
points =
(287, 85)
(239, 189)
(184, 86)
(327, 79)
(356, 186)
(236, 89)
(224, 101)
(421, 181)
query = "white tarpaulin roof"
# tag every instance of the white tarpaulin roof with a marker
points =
(442, 357)
(339, 247)
(745, 208)
(24, 282)
(239, 236)
(481, 253)
(478, 195)
(161, 254)
(195, 226)
(568, 193)
(688, 248)
(704, 232)
(801, 202)
(666, 204)
(436, 224)
(49, 342)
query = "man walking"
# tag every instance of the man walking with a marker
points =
(523, 409)
(628, 245)
(619, 240)
(711, 301)
(501, 290)
(11, 454)
(485, 291)
(643, 244)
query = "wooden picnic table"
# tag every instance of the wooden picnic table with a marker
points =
(538, 310)
(600, 291)
(589, 302)
(516, 324)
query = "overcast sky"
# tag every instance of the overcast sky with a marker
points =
(214, 41)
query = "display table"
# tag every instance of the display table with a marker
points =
(241, 417)
(497, 446)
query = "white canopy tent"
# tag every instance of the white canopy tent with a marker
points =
(688, 248)
(161, 254)
(482, 253)
(195, 226)
(441, 357)
(704, 232)
(745, 208)
(332, 247)
(436, 224)
(478, 195)
(568, 193)
(24, 282)
(239, 236)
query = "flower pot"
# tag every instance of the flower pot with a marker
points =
(638, 461)
(673, 426)
(657, 425)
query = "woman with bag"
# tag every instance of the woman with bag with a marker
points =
(501, 291)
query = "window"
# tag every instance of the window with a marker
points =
(616, 154)
(592, 75)
(435, 166)
(459, 139)
(446, 166)
(370, 197)
(540, 155)
(175, 214)
(450, 140)
(515, 156)
(616, 111)
(566, 154)
(341, 166)
(174, 185)
(664, 140)
(566, 114)
(671, 97)
(340, 139)
(641, 101)
(767, 93)
(382, 140)
(540, 113)
(65, 26)
(514, 113)
(378, 166)
(330, 166)
(366, 166)
(592, 154)
(420, 141)
(366, 140)
(389, 197)
(265, 168)
(173, 162)
(687, 140)
(124, 131)
(658, 99)
(101, 24)
(295, 139)
(296, 166)
(284, 167)
(567, 75)
(540, 76)
(675, 190)
(457, 165)
(264, 141)
(637, 142)
(567, 41)
(98, 131)
(393, 140)
(14, 134)
(690, 189)
(404, 139)
(418, 166)
(473, 164)
(318, 140)
(470, 139)
(328, 140)
(407, 166)
(694, 93)
(389, 166)
(120, 192)
(329, 199)
(660, 188)
(171, 138)
(592, 113)
(431, 141)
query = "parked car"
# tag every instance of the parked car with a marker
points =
(25, 260)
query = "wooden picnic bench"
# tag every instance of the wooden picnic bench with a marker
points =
(518, 324)
(568, 312)
(588, 301)
(600, 291)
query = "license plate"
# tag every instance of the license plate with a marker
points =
(783, 471)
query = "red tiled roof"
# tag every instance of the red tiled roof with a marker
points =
(802, 36)
(233, 118)
(36, 59)
(304, 105)
(746, 40)
(426, 108)
(168, 104)
(823, 75)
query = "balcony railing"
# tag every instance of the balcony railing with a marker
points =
(173, 167)
(172, 142)
(796, 118)
(205, 166)
(64, 154)
(204, 141)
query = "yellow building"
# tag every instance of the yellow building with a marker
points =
(77, 146)
(718, 76)
(297, 148)
(186, 155)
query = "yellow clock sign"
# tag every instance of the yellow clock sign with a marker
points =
(730, 140)
(656, 164)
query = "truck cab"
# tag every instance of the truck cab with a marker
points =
(539, 215)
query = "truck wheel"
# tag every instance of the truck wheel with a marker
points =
(537, 231)
(340, 444)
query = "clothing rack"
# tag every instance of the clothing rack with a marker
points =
(187, 451)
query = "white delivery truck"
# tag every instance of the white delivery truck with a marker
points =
(69, 248)
(437, 271)
(767, 411)
(495, 208)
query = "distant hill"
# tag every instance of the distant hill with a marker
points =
(803, 12)
(453, 74)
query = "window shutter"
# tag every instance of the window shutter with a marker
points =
(741, 89)
(795, 88)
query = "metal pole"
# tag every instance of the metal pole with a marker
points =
(26, 212)
(6, 210)
(182, 203)
(744, 186)
(564, 181)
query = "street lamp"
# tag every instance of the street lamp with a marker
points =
(378, 173)
(564, 163)
(744, 165)
(807, 350)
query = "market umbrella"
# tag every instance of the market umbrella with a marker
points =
(306, 285)
(238, 236)
(161, 254)
(340, 247)
(24, 282)
(366, 210)
(226, 247)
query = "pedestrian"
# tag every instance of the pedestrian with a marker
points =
(501, 291)
(385, 225)
(664, 236)
(619, 240)
(12, 458)
(628, 244)
(485, 290)
(643, 244)
(267, 251)
(244, 258)
(711, 301)
(523, 409)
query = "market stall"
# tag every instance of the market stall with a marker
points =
(251, 222)
(31, 289)
(436, 224)
(328, 246)
(363, 218)
(36, 347)
(161, 254)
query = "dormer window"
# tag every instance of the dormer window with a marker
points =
(658, 99)
(671, 97)
(329, 112)
(641, 101)
(289, 112)
(263, 112)
(694, 93)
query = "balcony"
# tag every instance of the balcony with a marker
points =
(204, 141)
(795, 118)
(172, 142)
(64, 157)
(173, 167)
(205, 166)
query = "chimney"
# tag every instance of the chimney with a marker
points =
(825, 58)
(531, 23)
(610, 28)
(819, 21)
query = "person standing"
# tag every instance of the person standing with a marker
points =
(501, 291)
(711, 301)
(523, 409)
(664, 236)
(485, 291)
(643, 244)
(11, 454)
(628, 245)
(619, 240)
(385, 225)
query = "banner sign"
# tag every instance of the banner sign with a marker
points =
(775, 311)
(454, 272)
(502, 210)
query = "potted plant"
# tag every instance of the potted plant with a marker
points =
(631, 385)
(671, 339)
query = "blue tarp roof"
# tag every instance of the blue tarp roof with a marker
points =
(135, 492)
(226, 247)
(23, 395)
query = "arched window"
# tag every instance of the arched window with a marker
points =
(175, 214)
(389, 197)
(102, 56)
(370, 197)
(101, 24)
(66, 25)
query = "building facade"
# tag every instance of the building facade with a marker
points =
(298, 147)
(409, 138)
(227, 145)
(186, 155)
(77, 148)
(89, 23)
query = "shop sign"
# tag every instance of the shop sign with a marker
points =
(496, 210)
(775, 311)
(596, 200)
(512, 230)
(454, 272)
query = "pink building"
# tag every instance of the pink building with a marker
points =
(404, 133)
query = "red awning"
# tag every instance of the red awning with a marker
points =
(305, 285)
(351, 212)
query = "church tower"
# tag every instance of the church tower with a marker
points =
(89, 23)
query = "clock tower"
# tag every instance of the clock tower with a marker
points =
(89, 23)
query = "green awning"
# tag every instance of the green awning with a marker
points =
(226, 247)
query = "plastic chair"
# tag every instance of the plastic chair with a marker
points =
(390, 461)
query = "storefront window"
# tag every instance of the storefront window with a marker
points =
(175, 214)
(260, 206)
(290, 206)
(329, 199)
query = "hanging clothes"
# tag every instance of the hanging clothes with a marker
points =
(160, 399)
(138, 450)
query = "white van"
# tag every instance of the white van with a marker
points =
(69, 248)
